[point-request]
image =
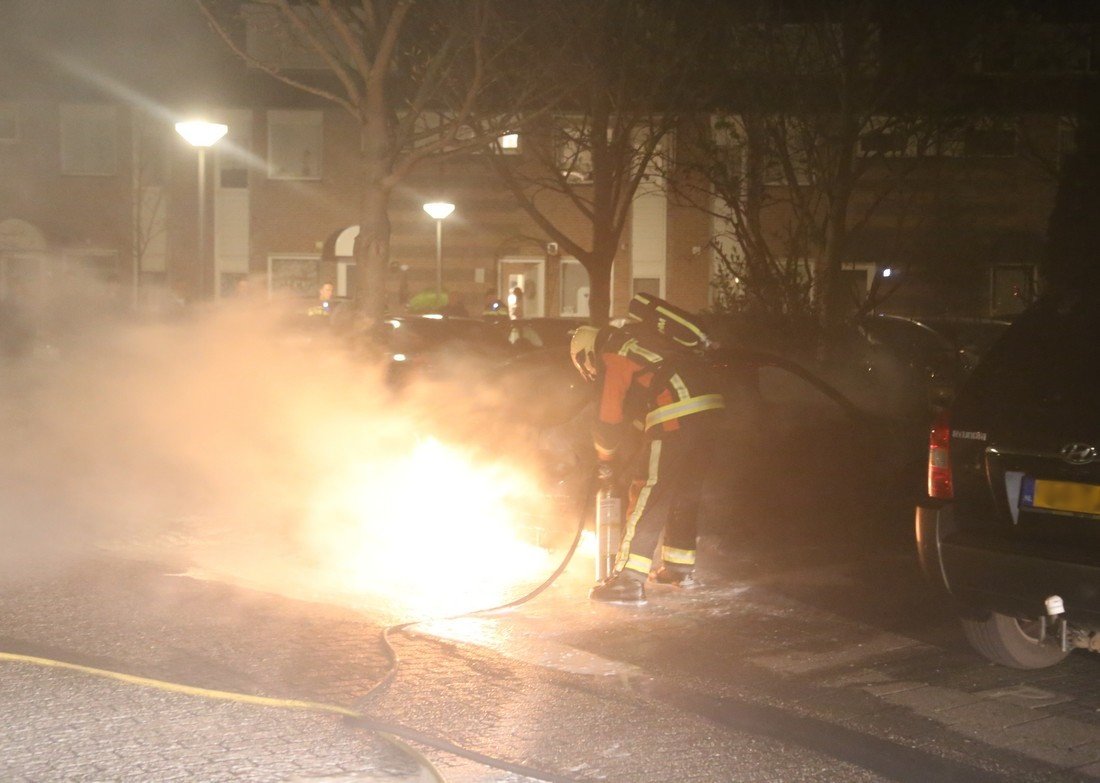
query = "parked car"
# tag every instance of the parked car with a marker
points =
(925, 358)
(970, 338)
(432, 346)
(909, 353)
(1011, 524)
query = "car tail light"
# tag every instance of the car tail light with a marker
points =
(939, 459)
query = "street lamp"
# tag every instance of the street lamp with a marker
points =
(439, 211)
(201, 134)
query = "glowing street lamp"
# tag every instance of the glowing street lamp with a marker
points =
(201, 134)
(439, 211)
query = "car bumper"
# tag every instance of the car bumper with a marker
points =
(985, 575)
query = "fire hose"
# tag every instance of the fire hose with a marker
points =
(391, 732)
(394, 659)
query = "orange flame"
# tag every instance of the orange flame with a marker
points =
(433, 531)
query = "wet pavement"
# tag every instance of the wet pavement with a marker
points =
(813, 652)
(789, 664)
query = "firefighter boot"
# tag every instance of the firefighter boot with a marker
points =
(620, 588)
(683, 578)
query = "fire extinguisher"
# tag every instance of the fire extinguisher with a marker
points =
(609, 526)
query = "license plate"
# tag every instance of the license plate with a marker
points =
(1067, 496)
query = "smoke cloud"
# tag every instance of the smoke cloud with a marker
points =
(242, 442)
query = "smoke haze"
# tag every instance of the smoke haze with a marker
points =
(235, 442)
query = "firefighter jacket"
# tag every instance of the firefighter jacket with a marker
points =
(649, 386)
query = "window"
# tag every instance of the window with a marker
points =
(88, 140)
(9, 123)
(989, 142)
(855, 280)
(887, 137)
(804, 49)
(776, 160)
(987, 138)
(729, 146)
(234, 152)
(101, 266)
(1050, 48)
(295, 274)
(294, 144)
(575, 152)
(883, 143)
(1056, 48)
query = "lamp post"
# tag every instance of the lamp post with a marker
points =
(439, 211)
(201, 134)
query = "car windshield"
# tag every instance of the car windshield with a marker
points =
(975, 335)
(412, 334)
(1047, 356)
(908, 336)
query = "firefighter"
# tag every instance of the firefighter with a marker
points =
(654, 384)
(325, 305)
(492, 308)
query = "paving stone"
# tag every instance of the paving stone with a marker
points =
(1026, 696)
(929, 699)
(987, 714)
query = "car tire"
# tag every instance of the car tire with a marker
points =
(1011, 642)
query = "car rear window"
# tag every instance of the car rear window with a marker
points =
(1047, 357)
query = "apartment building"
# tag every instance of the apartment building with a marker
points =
(94, 181)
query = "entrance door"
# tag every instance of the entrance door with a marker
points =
(529, 276)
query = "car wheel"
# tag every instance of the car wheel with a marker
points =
(1012, 642)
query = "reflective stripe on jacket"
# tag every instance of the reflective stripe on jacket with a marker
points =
(655, 386)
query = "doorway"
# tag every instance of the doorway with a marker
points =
(527, 275)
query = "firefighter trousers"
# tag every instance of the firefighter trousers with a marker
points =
(665, 495)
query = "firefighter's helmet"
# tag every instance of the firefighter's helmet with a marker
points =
(582, 349)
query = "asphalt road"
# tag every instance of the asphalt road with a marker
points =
(812, 664)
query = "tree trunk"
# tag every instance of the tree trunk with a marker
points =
(599, 290)
(372, 249)
(372, 252)
(834, 310)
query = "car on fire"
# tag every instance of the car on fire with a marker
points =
(1011, 524)
(436, 346)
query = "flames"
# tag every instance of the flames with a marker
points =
(432, 531)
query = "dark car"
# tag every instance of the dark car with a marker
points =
(912, 355)
(1011, 525)
(970, 338)
(436, 346)
(924, 359)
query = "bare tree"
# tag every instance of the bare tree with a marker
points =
(821, 132)
(410, 73)
(148, 224)
(625, 80)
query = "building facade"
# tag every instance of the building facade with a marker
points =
(94, 182)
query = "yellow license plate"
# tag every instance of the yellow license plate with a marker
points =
(1067, 496)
